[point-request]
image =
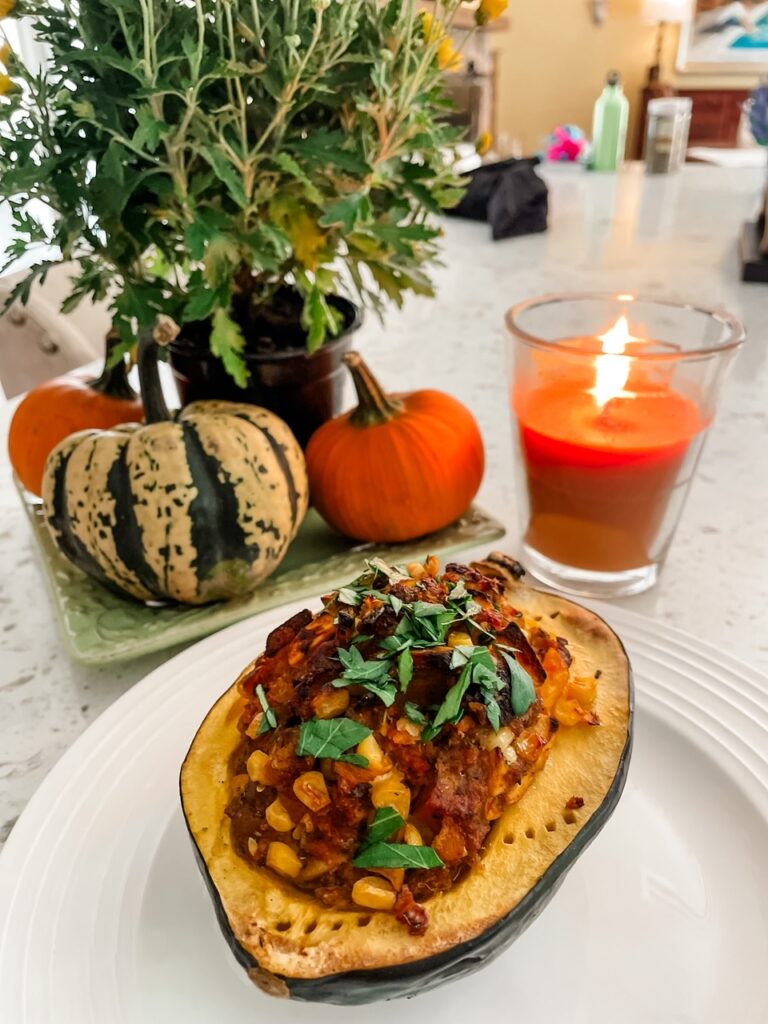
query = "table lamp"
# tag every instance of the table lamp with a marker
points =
(661, 12)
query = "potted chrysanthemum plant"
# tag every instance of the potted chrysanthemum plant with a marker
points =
(258, 171)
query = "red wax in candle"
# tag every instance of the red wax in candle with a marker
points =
(600, 479)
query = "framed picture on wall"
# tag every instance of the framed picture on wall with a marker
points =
(725, 36)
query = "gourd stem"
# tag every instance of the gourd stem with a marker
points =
(155, 409)
(374, 404)
(113, 379)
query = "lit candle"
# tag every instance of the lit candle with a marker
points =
(603, 443)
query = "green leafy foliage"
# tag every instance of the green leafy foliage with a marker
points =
(484, 675)
(413, 714)
(405, 668)
(194, 157)
(227, 342)
(522, 688)
(451, 709)
(397, 855)
(371, 675)
(386, 821)
(269, 721)
(331, 738)
(425, 624)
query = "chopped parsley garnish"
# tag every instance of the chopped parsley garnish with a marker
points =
(354, 593)
(405, 668)
(522, 688)
(425, 624)
(269, 721)
(386, 692)
(465, 610)
(424, 609)
(392, 573)
(386, 822)
(489, 689)
(450, 710)
(358, 670)
(422, 625)
(413, 714)
(394, 644)
(479, 669)
(331, 737)
(485, 676)
(349, 595)
(372, 675)
(465, 654)
(397, 855)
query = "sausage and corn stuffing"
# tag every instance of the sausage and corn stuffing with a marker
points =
(383, 736)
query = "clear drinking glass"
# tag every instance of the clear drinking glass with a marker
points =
(612, 396)
(666, 136)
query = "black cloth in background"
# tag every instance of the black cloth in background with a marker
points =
(509, 195)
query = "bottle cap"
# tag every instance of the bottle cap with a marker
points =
(614, 78)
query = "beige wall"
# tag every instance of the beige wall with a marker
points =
(553, 61)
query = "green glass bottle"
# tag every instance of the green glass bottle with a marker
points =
(609, 126)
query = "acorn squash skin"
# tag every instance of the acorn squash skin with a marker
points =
(359, 987)
(419, 974)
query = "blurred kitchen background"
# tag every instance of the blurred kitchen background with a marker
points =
(508, 89)
(540, 66)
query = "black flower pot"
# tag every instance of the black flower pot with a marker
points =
(304, 390)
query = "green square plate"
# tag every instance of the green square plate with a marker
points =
(101, 628)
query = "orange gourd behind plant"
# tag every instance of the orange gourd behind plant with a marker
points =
(398, 466)
(64, 405)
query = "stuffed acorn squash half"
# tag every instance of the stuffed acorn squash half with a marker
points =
(390, 793)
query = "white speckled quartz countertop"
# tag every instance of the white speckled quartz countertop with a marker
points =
(664, 236)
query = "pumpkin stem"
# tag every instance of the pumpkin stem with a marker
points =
(155, 409)
(113, 379)
(374, 404)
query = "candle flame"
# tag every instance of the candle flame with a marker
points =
(612, 368)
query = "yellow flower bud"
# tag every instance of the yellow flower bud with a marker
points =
(6, 6)
(484, 143)
(434, 30)
(490, 10)
(448, 57)
(5, 54)
(6, 85)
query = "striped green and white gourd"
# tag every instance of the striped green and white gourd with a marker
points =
(197, 508)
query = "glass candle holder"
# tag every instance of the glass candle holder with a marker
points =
(612, 396)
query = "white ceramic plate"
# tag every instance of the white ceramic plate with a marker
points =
(104, 919)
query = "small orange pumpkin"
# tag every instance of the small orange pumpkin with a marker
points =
(396, 467)
(64, 405)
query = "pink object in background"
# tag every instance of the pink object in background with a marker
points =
(566, 143)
